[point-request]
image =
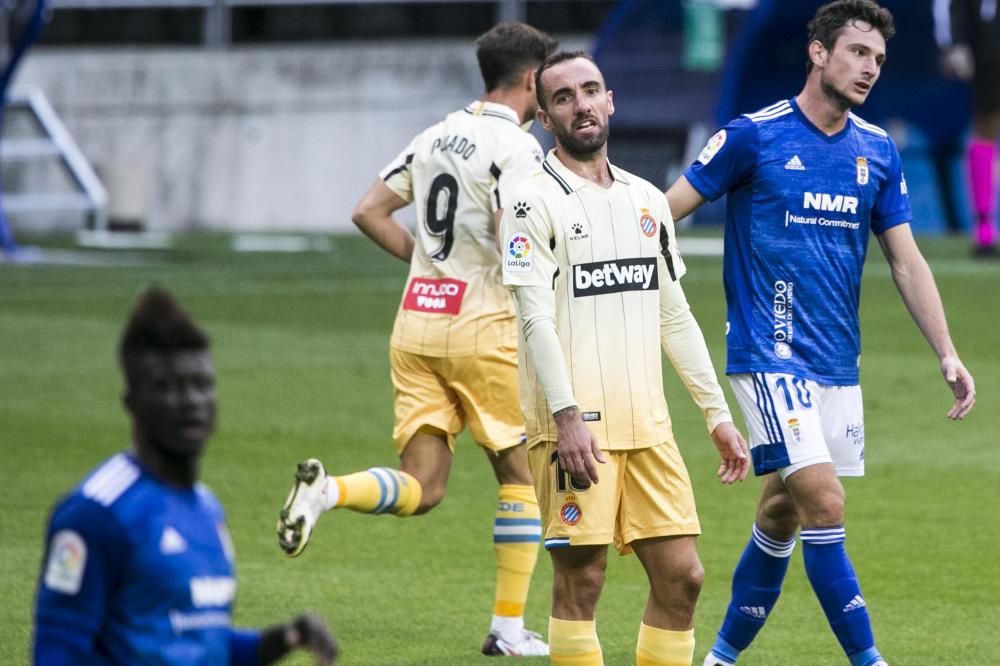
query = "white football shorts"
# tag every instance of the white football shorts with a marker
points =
(794, 423)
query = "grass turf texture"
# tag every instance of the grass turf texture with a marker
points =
(300, 343)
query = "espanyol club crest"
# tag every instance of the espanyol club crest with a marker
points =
(647, 223)
(570, 513)
(862, 171)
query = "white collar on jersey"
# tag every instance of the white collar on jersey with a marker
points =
(495, 110)
(569, 180)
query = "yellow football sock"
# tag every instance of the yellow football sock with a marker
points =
(378, 490)
(517, 530)
(574, 643)
(663, 647)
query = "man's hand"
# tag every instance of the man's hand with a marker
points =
(961, 384)
(733, 451)
(577, 447)
(308, 632)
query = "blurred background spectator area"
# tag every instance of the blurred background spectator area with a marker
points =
(274, 115)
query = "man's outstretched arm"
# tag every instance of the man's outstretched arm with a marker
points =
(915, 283)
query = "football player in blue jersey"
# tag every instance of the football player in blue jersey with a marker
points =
(806, 180)
(138, 565)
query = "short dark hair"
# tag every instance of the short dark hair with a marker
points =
(552, 61)
(831, 19)
(157, 324)
(507, 49)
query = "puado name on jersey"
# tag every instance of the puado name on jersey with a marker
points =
(454, 144)
(608, 277)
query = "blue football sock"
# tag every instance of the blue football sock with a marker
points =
(756, 586)
(866, 657)
(836, 585)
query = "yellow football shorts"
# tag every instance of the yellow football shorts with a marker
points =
(641, 494)
(448, 394)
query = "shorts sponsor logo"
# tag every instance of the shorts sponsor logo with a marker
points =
(441, 296)
(609, 277)
(713, 146)
(518, 256)
(862, 165)
(570, 513)
(782, 310)
(647, 223)
(855, 434)
(67, 562)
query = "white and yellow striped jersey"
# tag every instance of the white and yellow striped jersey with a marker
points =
(605, 253)
(459, 173)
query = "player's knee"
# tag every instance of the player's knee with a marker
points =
(777, 517)
(676, 589)
(429, 498)
(826, 511)
(580, 589)
(689, 579)
(692, 579)
(591, 581)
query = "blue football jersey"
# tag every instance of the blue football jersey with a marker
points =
(799, 210)
(136, 571)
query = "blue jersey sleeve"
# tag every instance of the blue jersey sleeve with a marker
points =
(85, 551)
(727, 160)
(892, 204)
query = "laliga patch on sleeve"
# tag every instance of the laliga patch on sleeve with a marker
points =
(713, 146)
(67, 562)
(517, 256)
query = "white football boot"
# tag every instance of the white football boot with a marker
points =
(303, 507)
(529, 645)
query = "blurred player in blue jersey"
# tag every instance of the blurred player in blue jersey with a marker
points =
(806, 180)
(138, 567)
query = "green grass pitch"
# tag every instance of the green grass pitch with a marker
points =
(300, 343)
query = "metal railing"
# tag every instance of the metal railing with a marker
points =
(55, 142)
